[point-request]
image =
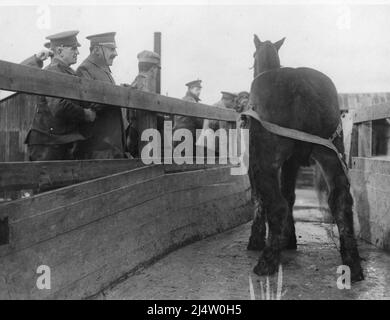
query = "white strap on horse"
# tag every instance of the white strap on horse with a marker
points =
(302, 136)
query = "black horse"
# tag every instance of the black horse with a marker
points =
(303, 99)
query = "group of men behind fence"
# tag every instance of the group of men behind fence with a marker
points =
(64, 129)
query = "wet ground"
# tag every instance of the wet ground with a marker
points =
(220, 267)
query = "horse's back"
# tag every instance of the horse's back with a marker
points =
(302, 98)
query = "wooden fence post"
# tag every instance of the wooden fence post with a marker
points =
(365, 139)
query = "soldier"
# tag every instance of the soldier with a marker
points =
(148, 65)
(242, 101)
(106, 136)
(190, 123)
(227, 101)
(55, 127)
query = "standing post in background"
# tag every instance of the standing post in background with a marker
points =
(160, 117)
(157, 49)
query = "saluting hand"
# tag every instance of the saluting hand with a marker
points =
(44, 54)
(90, 115)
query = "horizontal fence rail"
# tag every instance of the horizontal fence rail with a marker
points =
(20, 78)
(374, 112)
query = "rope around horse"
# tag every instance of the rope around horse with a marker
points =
(302, 136)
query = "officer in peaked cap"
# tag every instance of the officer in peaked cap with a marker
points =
(194, 84)
(106, 136)
(106, 42)
(148, 65)
(55, 127)
(242, 101)
(103, 39)
(193, 91)
(64, 39)
(228, 97)
(227, 101)
(190, 123)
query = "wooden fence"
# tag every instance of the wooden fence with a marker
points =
(16, 114)
(105, 218)
(370, 173)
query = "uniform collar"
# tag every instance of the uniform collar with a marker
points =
(62, 65)
(99, 63)
(189, 94)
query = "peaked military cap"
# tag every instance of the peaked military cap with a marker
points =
(103, 39)
(66, 39)
(243, 94)
(195, 83)
(149, 56)
(226, 94)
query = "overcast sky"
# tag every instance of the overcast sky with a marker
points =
(350, 43)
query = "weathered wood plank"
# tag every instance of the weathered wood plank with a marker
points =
(89, 257)
(370, 179)
(54, 174)
(214, 216)
(15, 77)
(29, 207)
(372, 112)
(350, 101)
(372, 165)
(50, 223)
(108, 249)
(365, 139)
(16, 113)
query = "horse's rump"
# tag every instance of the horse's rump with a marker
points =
(302, 99)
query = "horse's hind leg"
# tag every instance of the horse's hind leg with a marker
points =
(340, 204)
(258, 230)
(276, 207)
(288, 180)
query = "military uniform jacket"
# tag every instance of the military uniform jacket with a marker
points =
(56, 121)
(140, 83)
(216, 124)
(190, 123)
(106, 133)
(33, 61)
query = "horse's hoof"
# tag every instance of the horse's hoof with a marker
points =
(255, 245)
(353, 262)
(357, 274)
(357, 277)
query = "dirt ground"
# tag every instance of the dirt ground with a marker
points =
(220, 267)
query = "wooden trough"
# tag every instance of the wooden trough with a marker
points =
(96, 221)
